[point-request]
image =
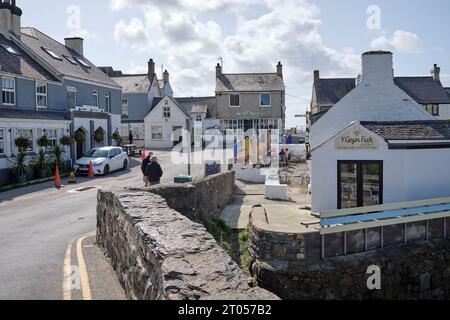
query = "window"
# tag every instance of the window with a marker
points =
(70, 59)
(2, 141)
(108, 101)
(265, 100)
(199, 117)
(166, 112)
(52, 135)
(235, 100)
(9, 91)
(51, 53)
(433, 109)
(95, 98)
(125, 107)
(9, 49)
(82, 62)
(157, 133)
(71, 97)
(41, 94)
(26, 133)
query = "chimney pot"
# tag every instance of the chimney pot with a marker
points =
(280, 69)
(151, 69)
(166, 76)
(316, 76)
(436, 73)
(218, 70)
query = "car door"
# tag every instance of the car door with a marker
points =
(114, 159)
(118, 158)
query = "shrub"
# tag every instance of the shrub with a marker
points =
(22, 143)
(244, 245)
(221, 233)
(20, 165)
(80, 136)
(44, 141)
(42, 165)
(99, 135)
(117, 138)
(66, 140)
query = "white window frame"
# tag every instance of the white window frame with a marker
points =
(199, 118)
(108, 101)
(95, 94)
(167, 112)
(260, 100)
(74, 91)
(2, 141)
(31, 138)
(229, 100)
(53, 137)
(41, 84)
(13, 91)
(52, 53)
(153, 133)
(125, 102)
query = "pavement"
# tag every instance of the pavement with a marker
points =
(38, 225)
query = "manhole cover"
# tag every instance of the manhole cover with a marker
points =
(82, 189)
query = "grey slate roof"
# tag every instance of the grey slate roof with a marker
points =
(192, 104)
(137, 83)
(22, 64)
(331, 91)
(33, 114)
(249, 82)
(423, 89)
(411, 130)
(35, 40)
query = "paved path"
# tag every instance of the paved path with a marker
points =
(38, 224)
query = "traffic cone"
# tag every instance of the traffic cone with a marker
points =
(72, 178)
(143, 154)
(58, 183)
(91, 170)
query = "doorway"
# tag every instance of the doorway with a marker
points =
(80, 142)
(360, 184)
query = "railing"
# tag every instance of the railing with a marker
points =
(355, 219)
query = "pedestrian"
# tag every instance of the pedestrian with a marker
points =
(144, 165)
(282, 156)
(287, 157)
(154, 171)
(247, 149)
(130, 137)
(235, 150)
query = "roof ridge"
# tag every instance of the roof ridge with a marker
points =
(252, 74)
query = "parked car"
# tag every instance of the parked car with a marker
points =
(104, 160)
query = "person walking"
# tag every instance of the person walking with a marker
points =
(130, 137)
(144, 165)
(154, 171)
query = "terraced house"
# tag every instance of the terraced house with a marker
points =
(50, 88)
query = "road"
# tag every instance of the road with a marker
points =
(38, 223)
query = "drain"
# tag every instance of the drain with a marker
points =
(83, 189)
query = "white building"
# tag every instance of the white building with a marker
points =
(372, 163)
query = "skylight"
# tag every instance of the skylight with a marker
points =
(71, 60)
(8, 48)
(51, 53)
(83, 63)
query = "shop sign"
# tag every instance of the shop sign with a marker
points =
(356, 138)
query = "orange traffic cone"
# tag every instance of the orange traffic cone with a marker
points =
(58, 183)
(143, 153)
(91, 170)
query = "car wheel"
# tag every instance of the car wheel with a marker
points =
(106, 170)
(125, 165)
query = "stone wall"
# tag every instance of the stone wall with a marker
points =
(159, 254)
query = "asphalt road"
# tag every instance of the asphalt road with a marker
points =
(38, 223)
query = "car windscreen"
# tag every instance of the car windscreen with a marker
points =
(97, 154)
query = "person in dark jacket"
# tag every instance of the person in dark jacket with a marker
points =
(144, 165)
(154, 172)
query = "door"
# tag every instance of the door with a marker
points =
(360, 183)
(115, 160)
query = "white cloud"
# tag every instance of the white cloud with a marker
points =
(401, 41)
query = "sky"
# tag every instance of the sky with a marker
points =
(187, 37)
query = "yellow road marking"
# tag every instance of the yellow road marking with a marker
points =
(84, 275)
(67, 290)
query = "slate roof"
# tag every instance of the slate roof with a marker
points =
(411, 130)
(35, 40)
(331, 91)
(134, 83)
(448, 91)
(249, 82)
(33, 114)
(192, 104)
(423, 89)
(22, 64)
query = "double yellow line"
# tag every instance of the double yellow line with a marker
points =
(84, 275)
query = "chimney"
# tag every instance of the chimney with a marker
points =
(436, 73)
(377, 68)
(218, 70)
(151, 69)
(280, 69)
(76, 44)
(166, 76)
(316, 76)
(10, 18)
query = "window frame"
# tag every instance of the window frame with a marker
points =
(167, 112)
(12, 91)
(52, 53)
(153, 133)
(433, 109)
(74, 91)
(260, 100)
(30, 138)
(82, 62)
(229, 100)
(95, 94)
(199, 116)
(70, 60)
(52, 139)
(38, 94)
(127, 107)
(2, 141)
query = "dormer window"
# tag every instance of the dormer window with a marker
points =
(8, 91)
(51, 53)
(41, 94)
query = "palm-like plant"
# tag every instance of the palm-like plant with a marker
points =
(20, 166)
(42, 165)
(58, 154)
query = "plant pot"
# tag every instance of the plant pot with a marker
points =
(22, 178)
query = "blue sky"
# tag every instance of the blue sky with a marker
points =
(187, 37)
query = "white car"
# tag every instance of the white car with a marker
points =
(104, 160)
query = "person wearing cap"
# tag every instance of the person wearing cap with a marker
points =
(154, 171)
